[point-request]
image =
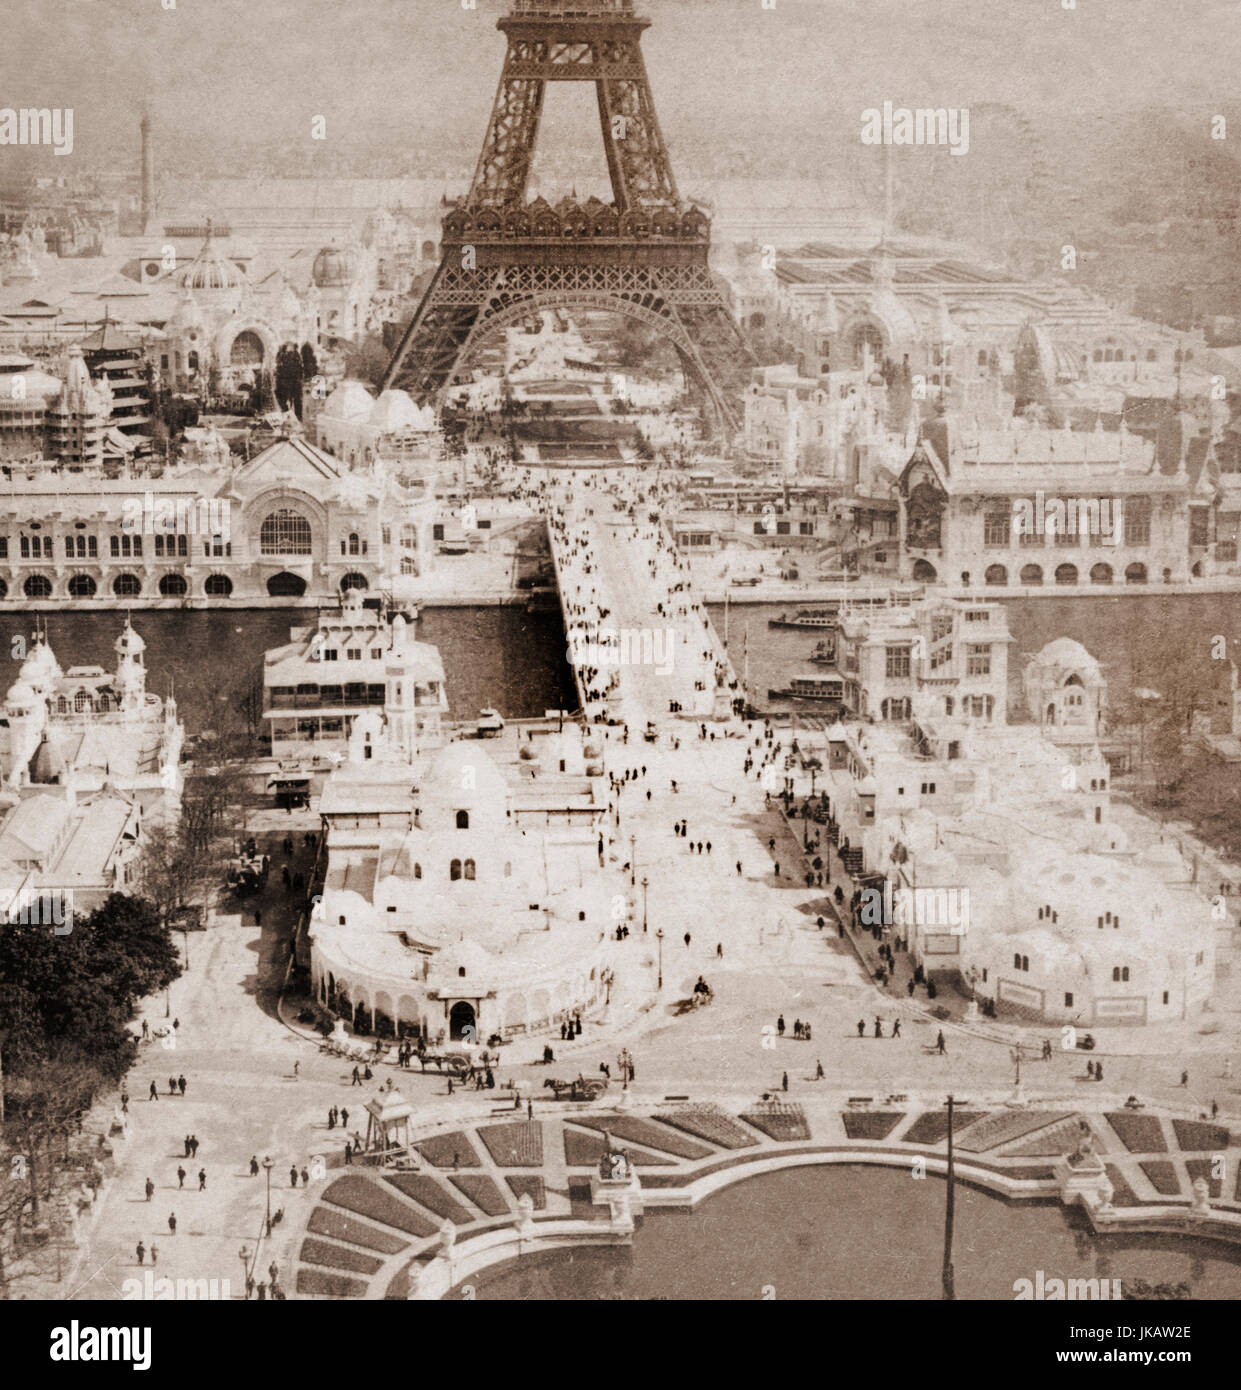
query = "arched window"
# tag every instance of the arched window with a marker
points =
(81, 586)
(1066, 574)
(247, 350)
(995, 574)
(469, 869)
(285, 532)
(38, 585)
(949, 705)
(62, 706)
(81, 702)
(1031, 574)
(173, 585)
(353, 543)
(454, 870)
(104, 704)
(218, 586)
(127, 586)
(463, 820)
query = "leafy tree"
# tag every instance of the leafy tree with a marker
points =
(289, 378)
(177, 864)
(65, 1005)
(367, 361)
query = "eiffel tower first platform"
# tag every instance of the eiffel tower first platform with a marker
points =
(644, 254)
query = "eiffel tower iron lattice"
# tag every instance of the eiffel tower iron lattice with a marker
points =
(645, 254)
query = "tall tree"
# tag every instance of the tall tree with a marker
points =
(289, 378)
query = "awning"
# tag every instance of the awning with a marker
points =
(292, 780)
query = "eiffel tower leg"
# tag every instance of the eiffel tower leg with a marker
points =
(504, 165)
(638, 162)
(431, 345)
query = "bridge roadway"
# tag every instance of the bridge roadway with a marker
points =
(641, 644)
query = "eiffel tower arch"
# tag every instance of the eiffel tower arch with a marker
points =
(644, 255)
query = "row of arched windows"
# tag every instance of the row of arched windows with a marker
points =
(458, 870)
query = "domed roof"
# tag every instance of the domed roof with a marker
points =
(210, 269)
(21, 696)
(1066, 654)
(34, 383)
(129, 643)
(334, 266)
(40, 668)
(48, 763)
(350, 401)
(462, 774)
(396, 410)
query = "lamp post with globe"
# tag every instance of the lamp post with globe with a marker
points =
(268, 1165)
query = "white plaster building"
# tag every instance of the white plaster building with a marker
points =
(87, 730)
(462, 898)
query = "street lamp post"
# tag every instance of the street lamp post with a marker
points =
(244, 1256)
(268, 1165)
(659, 936)
(633, 840)
(645, 881)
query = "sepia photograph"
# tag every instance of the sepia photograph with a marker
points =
(622, 624)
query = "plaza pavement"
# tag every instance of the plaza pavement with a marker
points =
(238, 1053)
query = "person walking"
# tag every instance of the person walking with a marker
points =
(305, 1177)
(141, 1253)
(344, 1118)
(187, 1146)
(1098, 1071)
(193, 1145)
(254, 1166)
(780, 1025)
(292, 1174)
(181, 1084)
(784, 1081)
(879, 1028)
(180, 1176)
(1184, 1078)
(154, 1095)
(940, 1047)
(818, 1070)
(172, 1223)
(172, 1085)
(861, 1027)
(896, 1029)
(202, 1180)
(357, 1078)
(150, 1189)
(348, 1153)
(687, 940)
(124, 1102)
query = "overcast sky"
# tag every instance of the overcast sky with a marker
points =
(412, 71)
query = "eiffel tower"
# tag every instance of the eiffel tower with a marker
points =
(645, 254)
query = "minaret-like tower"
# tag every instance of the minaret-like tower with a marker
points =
(399, 697)
(131, 674)
(644, 255)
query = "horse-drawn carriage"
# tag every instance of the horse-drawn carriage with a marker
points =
(581, 1088)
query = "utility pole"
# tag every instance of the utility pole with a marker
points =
(949, 1212)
